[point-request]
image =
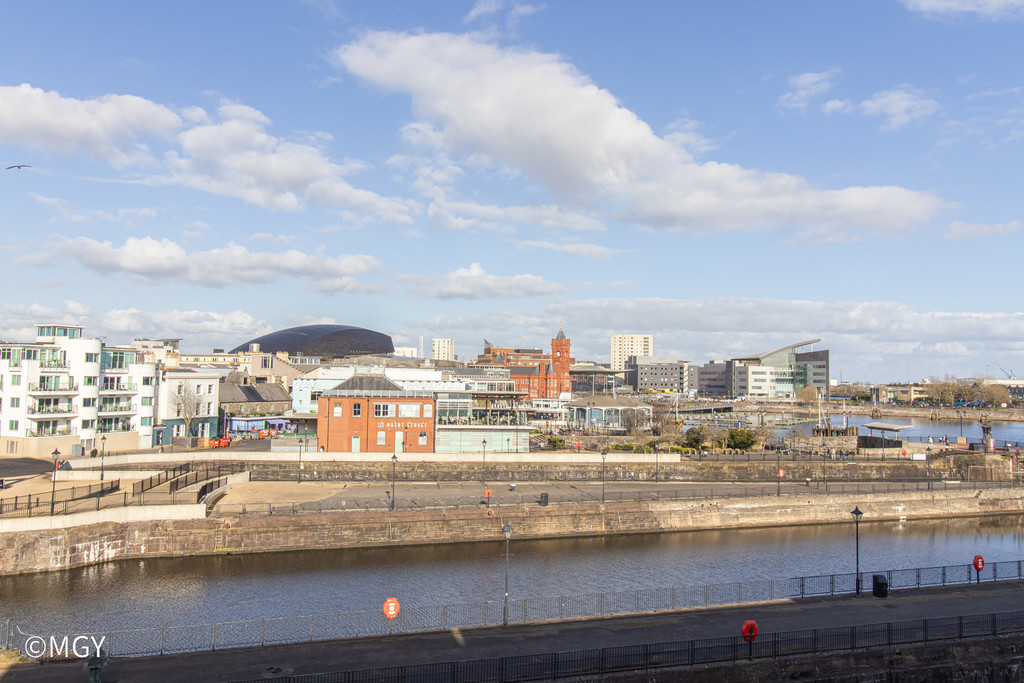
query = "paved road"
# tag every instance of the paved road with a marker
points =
(364, 653)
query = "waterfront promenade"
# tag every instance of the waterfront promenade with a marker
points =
(390, 651)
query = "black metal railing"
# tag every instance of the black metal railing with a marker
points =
(75, 499)
(599, 662)
(158, 479)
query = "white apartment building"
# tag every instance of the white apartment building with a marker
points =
(71, 393)
(442, 349)
(626, 345)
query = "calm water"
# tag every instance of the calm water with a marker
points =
(177, 591)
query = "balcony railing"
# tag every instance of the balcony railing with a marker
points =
(60, 431)
(116, 408)
(69, 409)
(121, 387)
(54, 364)
(51, 387)
(113, 429)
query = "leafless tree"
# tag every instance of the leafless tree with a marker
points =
(186, 404)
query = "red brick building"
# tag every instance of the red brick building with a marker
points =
(536, 373)
(372, 414)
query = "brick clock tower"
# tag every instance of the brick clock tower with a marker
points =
(560, 362)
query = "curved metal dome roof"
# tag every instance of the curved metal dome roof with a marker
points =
(325, 341)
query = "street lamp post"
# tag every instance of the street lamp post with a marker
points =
(103, 453)
(53, 487)
(857, 514)
(483, 462)
(394, 467)
(507, 529)
(960, 414)
(824, 465)
(778, 473)
(298, 476)
(604, 456)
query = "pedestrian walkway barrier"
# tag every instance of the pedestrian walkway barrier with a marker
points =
(413, 619)
(599, 662)
(64, 501)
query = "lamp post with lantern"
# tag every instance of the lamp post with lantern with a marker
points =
(857, 514)
(507, 529)
(53, 477)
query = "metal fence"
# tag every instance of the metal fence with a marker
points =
(158, 479)
(64, 501)
(610, 660)
(694, 491)
(412, 619)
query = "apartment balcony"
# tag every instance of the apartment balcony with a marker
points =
(42, 412)
(115, 429)
(58, 431)
(53, 365)
(116, 408)
(52, 388)
(120, 388)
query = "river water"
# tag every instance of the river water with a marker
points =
(196, 590)
(918, 429)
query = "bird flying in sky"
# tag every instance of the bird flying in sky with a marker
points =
(18, 166)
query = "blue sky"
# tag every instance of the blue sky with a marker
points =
(730, 177)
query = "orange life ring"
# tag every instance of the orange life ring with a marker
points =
(490, 513)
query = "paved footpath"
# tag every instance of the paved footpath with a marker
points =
(366, 653)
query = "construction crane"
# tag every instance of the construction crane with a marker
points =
(1009, 373)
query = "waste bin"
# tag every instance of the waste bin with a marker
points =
(544, 498)
(880, 586)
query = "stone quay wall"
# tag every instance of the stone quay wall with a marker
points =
(56, 549)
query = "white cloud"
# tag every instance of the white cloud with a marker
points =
(991, 9)
(805, 87)
(113, 128)
(474, 283)
(961, 230)
(571, 248)
(150, 260)
(464, 215)
(837, 107)
(483, 8)
(536, 113)
(231, 154)
(122, 215)
(899, 106)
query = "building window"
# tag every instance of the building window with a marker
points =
(92, 358)
(88, 402)
(15, 380)
(147, 422)
(13, 425)
(265, 362)
(384, 410)
(336, 410)
(91, 381)
(382, 438)
(147, 381)
(409, 410)
(428, 410)
(147, 400)
(15, 402)
(357, 409)
(423, 438)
